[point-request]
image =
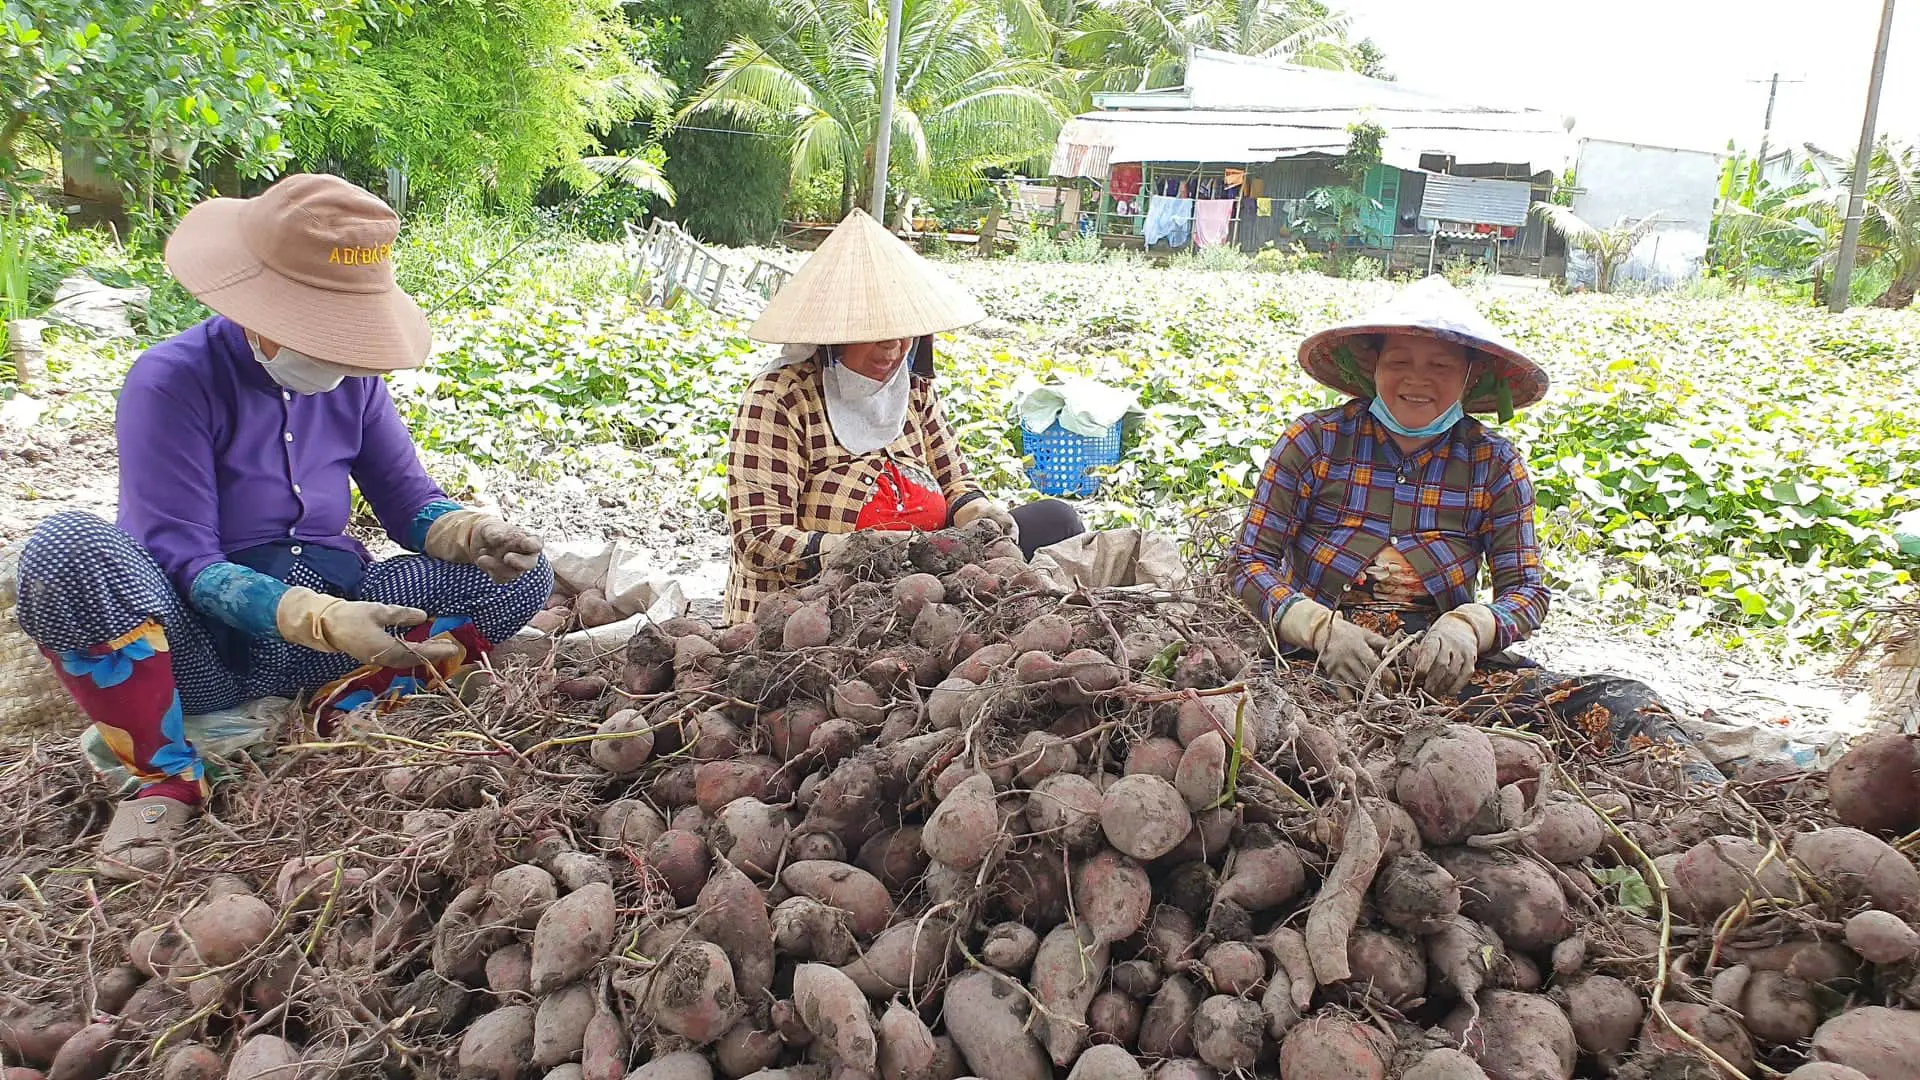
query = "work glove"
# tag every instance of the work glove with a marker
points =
(473, 538)
(992, 511)
(1348, 654)
(832, 542)
(1444, 660)
(357, 629)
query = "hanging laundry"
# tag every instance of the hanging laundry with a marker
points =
(1124, 183)
(1171, 220)
(1212, 221)
(1265, 207)
(1236, 178)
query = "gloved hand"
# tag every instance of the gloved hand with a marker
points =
(992, 511)
(1348, 654)
(329, 624)
(1444, 660)
(473, 538)
(832, 542)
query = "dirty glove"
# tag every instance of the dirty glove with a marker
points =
(473, 538)
(992, 511)
(832, 542)
(1348, 654)
(1444, 660)
(332, 625)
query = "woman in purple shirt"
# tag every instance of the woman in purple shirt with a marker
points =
(230, 576)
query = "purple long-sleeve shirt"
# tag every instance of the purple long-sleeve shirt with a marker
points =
(216, 458)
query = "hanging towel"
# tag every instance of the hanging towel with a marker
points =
(1236, 177)
(1266, 207)
(1212, 221)
(1171, 220)
(1124, 181)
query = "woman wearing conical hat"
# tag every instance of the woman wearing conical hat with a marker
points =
(846, 433)
(1376, 517)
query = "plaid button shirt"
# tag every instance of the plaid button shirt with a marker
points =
(789, 481)
(1337, 491)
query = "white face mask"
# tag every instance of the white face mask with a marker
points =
(297, 371)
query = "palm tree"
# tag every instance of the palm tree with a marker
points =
(1128, 45)
(964, 102)
(1610, 247)
(1890, 233)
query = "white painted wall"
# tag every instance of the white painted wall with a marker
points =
(1618, 179)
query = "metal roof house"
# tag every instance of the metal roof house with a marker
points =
(1250, 139)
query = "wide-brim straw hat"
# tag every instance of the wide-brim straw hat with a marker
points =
(864, 284)
(1342, 357)
(308, 264)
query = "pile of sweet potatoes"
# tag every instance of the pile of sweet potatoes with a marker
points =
(930, 817)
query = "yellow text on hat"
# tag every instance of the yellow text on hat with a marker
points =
(359, 256)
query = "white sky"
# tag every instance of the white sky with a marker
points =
(1663, 72)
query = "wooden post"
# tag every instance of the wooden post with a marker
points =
(990, 232)
(719, 281)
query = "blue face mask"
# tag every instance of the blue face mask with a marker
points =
(1441, 426)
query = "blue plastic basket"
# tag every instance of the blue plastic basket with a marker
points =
(1063, 460)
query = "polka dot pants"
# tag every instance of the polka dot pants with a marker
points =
(83, 583)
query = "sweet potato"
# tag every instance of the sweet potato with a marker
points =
(574, 934)
(1876, 785)
(1882, 937)
(1859, 867)
(1561, 831)
(1713, 1027)
(1331, 918)
(1825, 1070)
(1721, 871)
(806, 929)
(1136, 978)
(1049, 634)
(748, 1047)
(1444, 1064)
(1065, 808)
(510, 971)
(907, 957)
(1158, 756)
(679, 858)
(717, 783)
(36, 1036)
(1394, 969)
(1106, 1063)
(154, 950)
(1043, 754)
(1414, 893)
(1517, 1036)
(89, 1055)
(1067, 973)
(987, 1017)
(1516, 897)
(1185, 1069)
(734, 917)
(1167, 1029)
(1228, 1032)
(679, 1065)
(1882, 1043)
(861, 895)
(1234, 967)
(907, 1047)
(605, 1047)
(1778, 1009)
(1010, 947)
(1144, 816)
(895, 856)
(498, 1046)
(1451, 776)
(560, 1025)
(1202, 774)
(750, 834)
(191, 1061)
(225, 930)
(1823, 963)
(837, 1014)
(965, 826)
(630, 823)
(1114, 1018)
(1326, 1048)
(1112, 896)
(1605, 1014)
(692, 993)
(1461, 955)
(622, 743)
(937, 626)
(114, 987)
(1264, 871)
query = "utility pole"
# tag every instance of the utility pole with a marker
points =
(883, 139)
(1766, 130)
(1857, 202)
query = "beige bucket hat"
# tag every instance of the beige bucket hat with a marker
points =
(308, 263)
(1342, 356)
(864, 284)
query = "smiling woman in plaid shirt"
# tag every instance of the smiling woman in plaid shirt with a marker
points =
(1375, 518)
(845, 432)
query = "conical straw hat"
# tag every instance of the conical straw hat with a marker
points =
(864, 284)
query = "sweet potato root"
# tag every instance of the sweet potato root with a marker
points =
(1067, 973)
(1113, 896)
(1882, 1043)
(1876, 785)
(1519, 899)
(1144, 816)
(1517, 1036)
(1325, 1048)
(1859, 867)
(1228, 1032)
(1331, 918)
(987, 1017)
(1452, 775)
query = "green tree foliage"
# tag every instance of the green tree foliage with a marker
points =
(965, 103)
(151, 91)
(731, 185)
(1123, 45)
(1610, 247)
(484, 99)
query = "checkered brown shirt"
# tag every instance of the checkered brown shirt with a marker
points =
(789, 480)
(1337, 491)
